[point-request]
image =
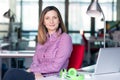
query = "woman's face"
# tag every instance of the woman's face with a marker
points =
(51, 21)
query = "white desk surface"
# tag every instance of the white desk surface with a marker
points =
(13, 54)
(57, 78)
(113, 76)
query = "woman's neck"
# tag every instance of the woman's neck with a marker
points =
(51, 32)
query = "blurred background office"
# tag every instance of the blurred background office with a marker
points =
(19, 23)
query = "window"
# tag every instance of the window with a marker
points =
(60, 4)
(4, 7)
(4, 22)
(78, 19)
(109, 10)
(28, 12)
(30, 15)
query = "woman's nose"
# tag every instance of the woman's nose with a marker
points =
(51, 20)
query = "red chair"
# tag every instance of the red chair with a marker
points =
(77, 56)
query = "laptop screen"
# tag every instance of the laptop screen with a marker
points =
(108, 61)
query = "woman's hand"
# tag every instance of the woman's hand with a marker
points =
(38, 76)
(28, 70)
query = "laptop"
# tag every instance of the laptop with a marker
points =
(108, 62)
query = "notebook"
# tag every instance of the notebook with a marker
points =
(108, 62)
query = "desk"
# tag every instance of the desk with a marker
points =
(58, 78)
(112, 76)
(14, 54)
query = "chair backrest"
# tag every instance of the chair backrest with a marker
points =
(77, 56)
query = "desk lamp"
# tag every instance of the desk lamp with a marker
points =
(9, 14)
(94, 10)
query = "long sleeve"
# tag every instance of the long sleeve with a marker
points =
(55, 58)
(35, 62)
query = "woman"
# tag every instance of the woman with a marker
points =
(53, 49)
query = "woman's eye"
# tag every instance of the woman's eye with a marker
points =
(47, 18)
(55, 17)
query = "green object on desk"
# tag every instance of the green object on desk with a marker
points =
(73, 75)
(72, 72)
(63, 73)
(81, 77)
(73, 78)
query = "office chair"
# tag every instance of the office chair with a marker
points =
(77, 56)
